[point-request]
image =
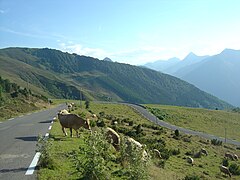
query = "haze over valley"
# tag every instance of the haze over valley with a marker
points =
(218, 74)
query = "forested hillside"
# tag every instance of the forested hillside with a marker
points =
(65, 75)
(16, 100)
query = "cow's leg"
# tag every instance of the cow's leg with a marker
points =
(71, 132)
(76, 132)
(64, 132)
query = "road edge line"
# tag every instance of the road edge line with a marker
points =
(33, 164)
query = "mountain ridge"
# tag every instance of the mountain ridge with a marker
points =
(217, 74)
(103, 80)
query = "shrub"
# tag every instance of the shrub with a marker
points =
(165, 153)
(132, 161)
(130, 123)
(159, 132)
(160, 163)
(93, 123)
(14, 94)
(102, 114)
(176, 132)
(43, 147)
(216, 142)
(92, 160)
(131, 134)
(192, 177)
(87, 104)
(175, 152)
(101, 123)
(225, 162)
(139, 129)
(189, 153)
(187, 139)
(234, 169)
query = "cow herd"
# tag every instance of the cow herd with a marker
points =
(74, 121)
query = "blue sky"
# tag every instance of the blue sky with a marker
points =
(128, 31)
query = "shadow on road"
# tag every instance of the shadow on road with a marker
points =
(47, 121)
(13, 170)
(28, 138)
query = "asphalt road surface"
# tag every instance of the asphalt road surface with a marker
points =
(18, 139)
(154, 119)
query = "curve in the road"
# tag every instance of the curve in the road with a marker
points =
(155, 120)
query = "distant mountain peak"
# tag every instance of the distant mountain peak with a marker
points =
(229, 51)
(190, 55)
(107, 59)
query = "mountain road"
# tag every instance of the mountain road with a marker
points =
(18, 139)
(140, 109)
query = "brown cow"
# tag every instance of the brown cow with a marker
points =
(72, 121)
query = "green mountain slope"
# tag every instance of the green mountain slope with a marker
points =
(64, 75)
(15, 100)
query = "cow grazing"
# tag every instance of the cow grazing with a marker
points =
(157, 153)
(113, 138)
(72, 121)
(131, 141)
(225, 170)
(204, 151)
(229, 155)
(190, 160)
(235, 157)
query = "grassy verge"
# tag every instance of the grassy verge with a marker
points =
(125, 120)
(210, 121)
(14, 107)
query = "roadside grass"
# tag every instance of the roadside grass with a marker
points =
(204, 120)
(176, 166)
(14, 107)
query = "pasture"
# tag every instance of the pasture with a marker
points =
(210, 121)
(174, 149)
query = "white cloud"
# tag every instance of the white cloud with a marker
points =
(130, 56)
(81, 50)
(148, 53)
(135, 56)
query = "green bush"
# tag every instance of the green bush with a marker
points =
(102, 114)
(92, 161)
(101, 123)
(93, 123)
(225, 162)
(216, 142)
(130, 123)
(43, 147)
(234, 169)
(192, 177)
(138, 129)
(132, 160)
(87, 104)
(175, 152)
(176, 132)
(160, 163)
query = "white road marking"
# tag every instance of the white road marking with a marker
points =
(11, 119)
(33, 164)
(50, 127)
